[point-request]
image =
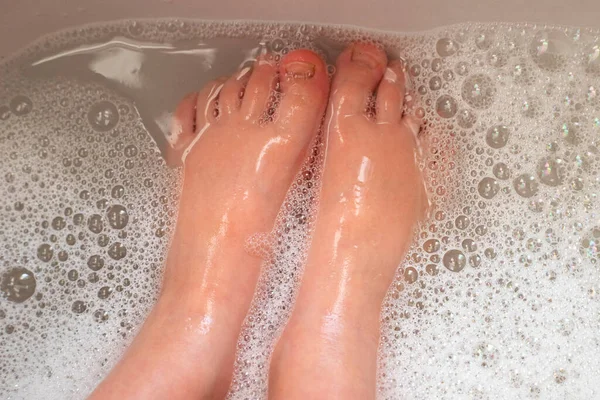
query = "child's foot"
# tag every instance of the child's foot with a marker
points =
(371, 198)
(243, 139)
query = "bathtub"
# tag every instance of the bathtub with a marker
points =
(22, 21)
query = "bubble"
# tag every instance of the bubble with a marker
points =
(21, 105)
(73, 275)
(577, 183)
(117, 216)
(58, 223)
(411, 275)
(63, 255)
(475, 260)
(117, 191)
(104, 292)
(446, 106)
(130, 151)
(462, 68)
(497, 58)
(525, 185)
(478, 91)
(117, 251)
(100, 315)
(18, 284)
(570, 132)
(103, 240)
(532, 107)
(590, 244)
(469, 245)
(454, 260)
(501, 171)
(78, 219)
(466, 118)
(95, 223)
(78, 307)
(551, 171)
(446, 47)
(436, 64)
(45, 252)
(93, 277)
(497, 136)
(95, 263)
(550, 50)
(488, 188)
(136, 28)
(431, 245)
(435, 83)
(103, 116)
(483, 41)
(462, 222)
(432, 269)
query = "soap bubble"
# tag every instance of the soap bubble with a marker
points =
(103, 116)
(18, 284)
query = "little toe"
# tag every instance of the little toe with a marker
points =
(304, 91)
(207, 110)
(390, 94)
(359, 69)
(260, 87)
(193, 112)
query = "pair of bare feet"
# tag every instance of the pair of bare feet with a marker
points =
(236, 178)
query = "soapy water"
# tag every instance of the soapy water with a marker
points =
(498, 297)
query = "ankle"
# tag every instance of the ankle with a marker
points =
(324, 357)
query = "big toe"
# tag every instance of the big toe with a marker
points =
(304, 86)
(359, 70)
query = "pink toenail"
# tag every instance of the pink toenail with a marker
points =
(364, 57)
(300, 70)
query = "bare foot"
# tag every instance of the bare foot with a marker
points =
(371, 198)
(246, 146)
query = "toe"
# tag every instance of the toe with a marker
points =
(390, 94)
(359, 70)
(193, 112)
(260, 87)
(230, 98)
(207, 110)
(304, 90)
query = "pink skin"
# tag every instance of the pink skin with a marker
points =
(371, 199)
(236, 175)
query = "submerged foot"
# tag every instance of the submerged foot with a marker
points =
(370, 201)
(243, 139)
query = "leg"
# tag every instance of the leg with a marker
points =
(240, 165)
(370, 201)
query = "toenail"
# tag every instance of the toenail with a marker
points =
(364, 57)
(300, 70)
